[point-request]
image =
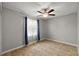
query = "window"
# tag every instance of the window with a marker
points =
(32, 27)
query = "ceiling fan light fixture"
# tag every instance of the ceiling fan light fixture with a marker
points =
(46, 12)
(45, 15)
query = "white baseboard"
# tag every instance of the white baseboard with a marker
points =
(11, 50)
(34, 42)
(16, 48)
(64, 42)
(31, 43)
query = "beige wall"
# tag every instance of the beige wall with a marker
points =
(12, 33)
(0, 29)
(62, 28)
(0, 33)
(78, 29)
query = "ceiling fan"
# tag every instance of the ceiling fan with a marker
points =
(45, 12)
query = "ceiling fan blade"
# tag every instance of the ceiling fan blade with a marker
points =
(40, 12)
(52, 14)
(50, 10)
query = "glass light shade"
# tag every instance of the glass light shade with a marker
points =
(45, 15)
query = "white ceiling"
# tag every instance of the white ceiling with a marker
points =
(31, 8)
